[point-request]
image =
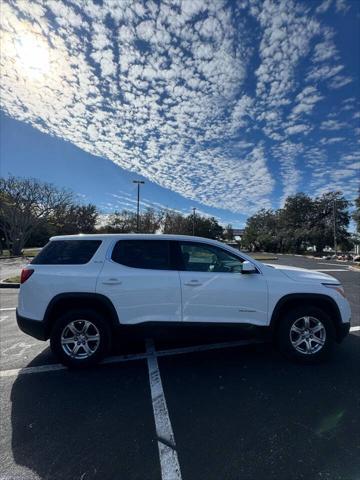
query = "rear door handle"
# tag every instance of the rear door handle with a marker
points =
(193, 283)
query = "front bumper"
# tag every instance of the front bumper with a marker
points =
(342, 331)
(34, 328)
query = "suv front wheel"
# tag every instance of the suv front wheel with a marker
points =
(80, 338)
(306, 334)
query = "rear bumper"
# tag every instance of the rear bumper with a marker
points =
(34, 328)
(342, 331)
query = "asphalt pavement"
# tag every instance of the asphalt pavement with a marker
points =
(185, 409)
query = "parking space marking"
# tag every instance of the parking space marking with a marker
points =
(169, 462)
(27, 370)
(332, 270)
(140, 356)
(17, 349)
(332, 264)
(127, 358)
(12, 309)
(206, 348)
(3, 318)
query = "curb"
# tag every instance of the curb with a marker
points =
(9, 285)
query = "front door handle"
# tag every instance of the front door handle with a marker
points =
(112, 281)
(193, 283)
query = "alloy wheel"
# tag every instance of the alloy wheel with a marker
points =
(307, 335)
(80, 339)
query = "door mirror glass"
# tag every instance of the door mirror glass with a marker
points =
(248, 267)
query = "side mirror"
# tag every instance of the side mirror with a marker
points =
(248, 267)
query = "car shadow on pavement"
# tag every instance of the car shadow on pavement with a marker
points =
(90, 424)
(252, 415)
(269, 420)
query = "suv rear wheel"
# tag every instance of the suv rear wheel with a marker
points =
(80, 338)
(306, 334)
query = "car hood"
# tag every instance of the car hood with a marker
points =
(304, 275)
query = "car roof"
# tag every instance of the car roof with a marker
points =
(152, 236)
(132, 236)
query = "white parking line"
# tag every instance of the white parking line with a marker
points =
(332, 270)
(206, 348)
(331, 264)
(140, 356)
(169, 462)
(127, 358)
(7, 309)
(3, 317)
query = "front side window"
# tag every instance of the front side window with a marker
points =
(148, 254)
(207, 258)
(67, 252)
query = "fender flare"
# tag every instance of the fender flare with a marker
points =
(100, 299)
(309, 298)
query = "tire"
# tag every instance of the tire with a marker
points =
(306, 341)
(80, 338)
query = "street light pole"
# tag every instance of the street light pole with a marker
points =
(334, 225)
(138, 182)
(193, 222)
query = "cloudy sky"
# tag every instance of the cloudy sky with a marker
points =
(228, 106)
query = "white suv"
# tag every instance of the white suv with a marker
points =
(79, 289)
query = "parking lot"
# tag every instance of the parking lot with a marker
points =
(200, 408)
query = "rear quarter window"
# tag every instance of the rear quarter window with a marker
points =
(67, 252)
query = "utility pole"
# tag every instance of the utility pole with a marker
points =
(334, 225)
(138, 182)
(193, 220)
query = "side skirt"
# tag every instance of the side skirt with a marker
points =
(194, 331)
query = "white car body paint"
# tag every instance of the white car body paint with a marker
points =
(224, 297)
(143, 295)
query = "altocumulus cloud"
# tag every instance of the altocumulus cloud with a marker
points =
(203, 97)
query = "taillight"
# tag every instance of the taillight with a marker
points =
(25, 274)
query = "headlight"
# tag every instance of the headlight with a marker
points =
(336, 286)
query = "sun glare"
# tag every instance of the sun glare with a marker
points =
(32, 55)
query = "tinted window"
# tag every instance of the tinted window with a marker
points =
(67, 252)
(206, 258)
(149, 254)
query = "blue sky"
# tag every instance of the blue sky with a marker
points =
(227, 106)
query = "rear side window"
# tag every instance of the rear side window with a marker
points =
(148, 254)
(67, 252)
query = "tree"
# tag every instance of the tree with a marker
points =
(72, 219)
(126, 222)
(228, 233)
(207, 227)
(25, 204)
(329, 208)
(301, 223)
(356, 213)
(296, 220)
(150, 221)
(261, 231)
(176, 223)
(120, 222)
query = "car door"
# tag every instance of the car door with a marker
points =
(142, 284)
(215, 290)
